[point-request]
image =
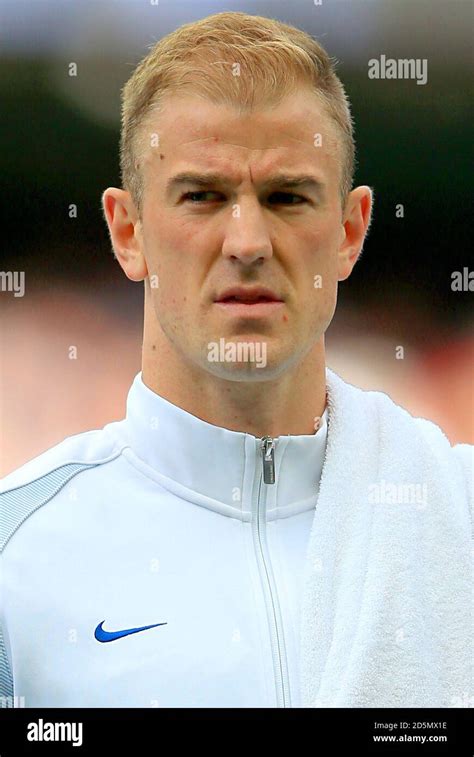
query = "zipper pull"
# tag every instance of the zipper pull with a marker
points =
(268, 459)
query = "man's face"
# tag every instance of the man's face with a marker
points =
(199, 240)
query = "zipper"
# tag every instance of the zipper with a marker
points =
(268, 452)
(280, 664)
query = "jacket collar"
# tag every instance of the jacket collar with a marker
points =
(217, 467)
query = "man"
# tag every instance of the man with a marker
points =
(256, 532)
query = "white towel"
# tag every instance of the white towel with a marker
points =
(387, 605)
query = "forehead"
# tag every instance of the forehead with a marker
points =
(296, 133)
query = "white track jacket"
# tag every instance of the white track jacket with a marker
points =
(165, 562)
(157, 562)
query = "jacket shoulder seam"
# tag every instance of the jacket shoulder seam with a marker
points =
(20, 502)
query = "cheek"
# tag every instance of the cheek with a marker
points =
(169, 254)
(172, 296)
(326, 235)
(316, 275)
(319, 256)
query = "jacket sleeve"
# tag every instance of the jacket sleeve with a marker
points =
(465, 456)
(6, 677)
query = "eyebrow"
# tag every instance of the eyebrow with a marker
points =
(289, 181)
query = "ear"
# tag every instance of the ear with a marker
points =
(355, 223)
(125, 231)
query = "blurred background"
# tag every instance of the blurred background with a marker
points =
(60, 147)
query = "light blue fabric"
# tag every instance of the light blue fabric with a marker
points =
(16, 505)
(6, 680)
(168, 525)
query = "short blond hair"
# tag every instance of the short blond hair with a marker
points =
(198, 58)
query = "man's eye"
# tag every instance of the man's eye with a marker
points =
(196, 197)
(280, 198)
(283, 198)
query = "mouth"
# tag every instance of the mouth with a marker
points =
(247, 300)
(256, 301)
(257, 308)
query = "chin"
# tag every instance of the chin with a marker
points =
(260, 370)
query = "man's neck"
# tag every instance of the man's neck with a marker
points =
(288, 405)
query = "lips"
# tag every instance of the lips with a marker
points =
(248, 295)
(247, 301)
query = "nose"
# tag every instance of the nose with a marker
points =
(246, 236)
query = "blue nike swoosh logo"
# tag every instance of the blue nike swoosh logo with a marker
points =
(104, 636)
